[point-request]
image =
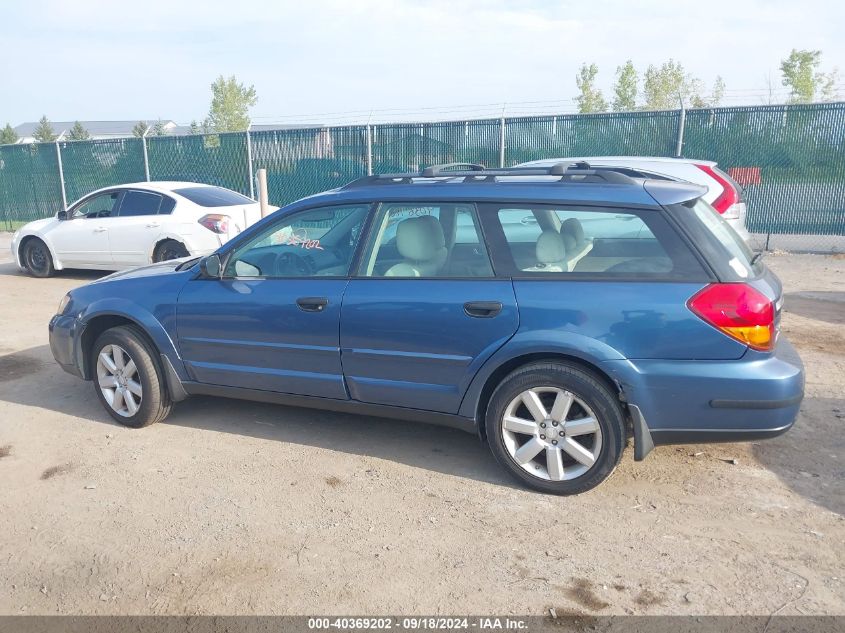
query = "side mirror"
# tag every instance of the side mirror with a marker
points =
(62, 215)
(211, 267)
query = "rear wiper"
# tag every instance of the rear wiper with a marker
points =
(756, 257)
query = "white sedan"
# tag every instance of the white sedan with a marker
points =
(131, 225)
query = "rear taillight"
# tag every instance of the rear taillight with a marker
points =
(740, 311)
(215, 222)
(729, 196)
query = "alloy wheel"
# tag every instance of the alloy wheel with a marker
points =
(119, 381)
(551, 433)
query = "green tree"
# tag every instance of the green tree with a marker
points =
(140, 129)
(44, 132)
(625, 89)
(8, 135)
(158, 129)
(800, 73)
(78, 133)
(230, 104)
(718, 91)
(194, 128)
(666, 86)
(589, 97)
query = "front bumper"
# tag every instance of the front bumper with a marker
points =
(682, 402)
(65, 334)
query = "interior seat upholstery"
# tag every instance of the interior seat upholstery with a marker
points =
(420, 241)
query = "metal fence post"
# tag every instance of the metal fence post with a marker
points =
(249, 162)
(369, 150)
(61, 176)
(682, 120)
(502, 140)
(146, 157)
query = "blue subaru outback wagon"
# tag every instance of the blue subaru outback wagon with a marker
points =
(556, 312)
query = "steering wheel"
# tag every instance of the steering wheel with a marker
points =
(288, 262)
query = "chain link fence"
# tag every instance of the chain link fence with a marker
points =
(790, 160)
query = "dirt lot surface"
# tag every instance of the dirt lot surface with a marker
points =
(233, 507)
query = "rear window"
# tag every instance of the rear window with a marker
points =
(739, 253)
(547, 240)
(213, 196)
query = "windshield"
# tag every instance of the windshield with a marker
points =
(741, 254)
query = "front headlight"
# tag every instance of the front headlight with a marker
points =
(63, 304)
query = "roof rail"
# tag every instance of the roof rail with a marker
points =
(568, 172)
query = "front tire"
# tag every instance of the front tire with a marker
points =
(37, 258)
(556, 428)
(128, 380)
(169, 249)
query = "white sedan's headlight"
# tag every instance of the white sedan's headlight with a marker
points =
(63, 304)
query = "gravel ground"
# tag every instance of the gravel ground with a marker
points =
(241, 508)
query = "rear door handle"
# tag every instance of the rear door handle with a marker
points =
(312, 304)
(482, 309)
(153, 225)
(100, 229)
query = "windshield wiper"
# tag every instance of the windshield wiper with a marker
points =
(756, 257)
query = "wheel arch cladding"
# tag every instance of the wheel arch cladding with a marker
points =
(512, 364)
(104, 319)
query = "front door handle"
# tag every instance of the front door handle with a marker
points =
(312, 304)
(100, 229)
(154, 225)
(482, 309)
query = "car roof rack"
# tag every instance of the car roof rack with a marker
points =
(473, 173)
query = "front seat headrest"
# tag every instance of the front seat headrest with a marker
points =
(420, 239)
(551, 248)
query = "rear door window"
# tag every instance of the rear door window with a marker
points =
(213, 196)
(139, 203)
(547, 241)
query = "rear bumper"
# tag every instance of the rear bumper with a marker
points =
(64, 343)
(755, 397)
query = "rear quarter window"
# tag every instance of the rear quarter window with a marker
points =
(729, 254)
(541, 241)
(213, 196)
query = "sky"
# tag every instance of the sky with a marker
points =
(346, 61)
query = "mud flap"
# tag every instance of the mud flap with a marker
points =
(643, 443)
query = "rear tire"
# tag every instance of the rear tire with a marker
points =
(556, 428)
(169, 249)
(37, 259)
(128, 379)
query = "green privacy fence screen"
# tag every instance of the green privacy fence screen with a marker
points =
(305, 161)
(30, 187)
(216, 159)
(612, 134)
(94, 164)
(789, 159)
